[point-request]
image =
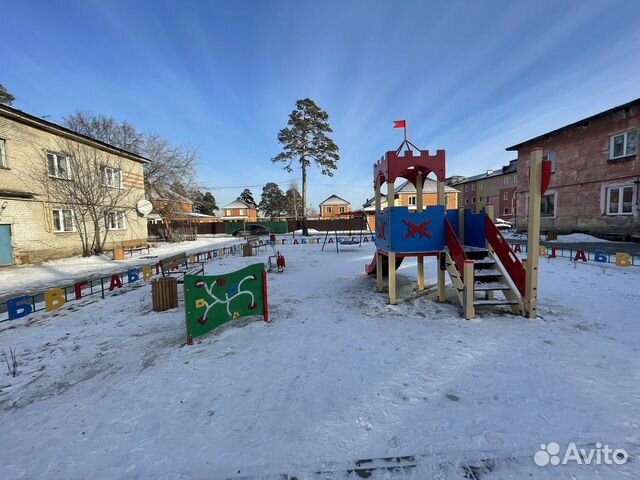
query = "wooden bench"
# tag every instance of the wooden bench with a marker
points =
(254, 241)
(134, 246)
(179, 265)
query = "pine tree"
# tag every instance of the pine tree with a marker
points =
(5, 97)
(247, 197)
(273, 203)
(305, 140)
(203, 203)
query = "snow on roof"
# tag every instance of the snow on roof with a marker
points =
(239, 203)
(335, 200)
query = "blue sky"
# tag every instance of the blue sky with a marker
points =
(472, 77)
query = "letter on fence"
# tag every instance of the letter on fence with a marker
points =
(623, 259)
(54, 299)
(19, 307)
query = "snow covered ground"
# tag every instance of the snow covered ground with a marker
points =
(36, 278)
(107, 390)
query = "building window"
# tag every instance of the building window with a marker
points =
(473, 200)
(552, 157)
(620, 200)
(515, 179)
(480, 199)
(466, 201)
(59, 166)
(227, 213)
(466, 188)
(505, 180)
(116, 221)
(505, 196)
(623, 144)
(547, 206)
(328, 209)
(342, 209)
(473, 187)
(112, 177)
(505, 211)
(412, 200)
(3, 154)
(242, 212)
(63, 220)
(481, 186)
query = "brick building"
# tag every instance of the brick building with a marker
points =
(334, 205)
(34, 227)
(239, 211)
(596, 175)
(497, 187)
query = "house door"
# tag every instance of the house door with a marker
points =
(6, 254)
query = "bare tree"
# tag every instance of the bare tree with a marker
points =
(171, 166)
(106, 129)
(85, 188)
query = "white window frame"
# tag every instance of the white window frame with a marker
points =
(56, 158)
(110, 171)
(328, 209)
(505, 196)
(62, 221)
(620, 189)
(481, 186)
(625, 136)
(515, 179)
(342, 209)
(412, 200)
(122, 216)
(505, 211)
(473, 187)
(505, 180)
(466, 189)
(555, 205)
(3, 153)
(242, 212)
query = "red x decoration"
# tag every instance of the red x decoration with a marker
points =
(381, 231)
(413, 229)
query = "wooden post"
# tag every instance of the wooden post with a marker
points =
(461, 225)
(441, 280)
(533, 232)
(379, 272)
(378, 199)
(164, 293)
(442, 200)
(392, 278)
(467, 303)
(419, 208)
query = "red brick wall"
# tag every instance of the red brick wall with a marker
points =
(583, 172)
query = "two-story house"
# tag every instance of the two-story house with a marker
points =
(595, 175)
(36, 222)
(333, 206)
(239, 210)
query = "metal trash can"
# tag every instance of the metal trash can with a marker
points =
(118, 253)
(164, 293)
(552, 235)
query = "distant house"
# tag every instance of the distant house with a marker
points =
(405, 196)
(595, 178)
(333, 206)
(239, 210)
(173, 216)
(497, 187)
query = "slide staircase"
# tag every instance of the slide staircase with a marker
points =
(484, 277)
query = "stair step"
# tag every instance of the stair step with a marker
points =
(487, 273)
(503, 301)
(488, 286)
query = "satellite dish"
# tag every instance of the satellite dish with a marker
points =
(144, 207)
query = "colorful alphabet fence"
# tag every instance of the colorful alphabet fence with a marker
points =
(213, 300)
(56, 298)
(621, 259)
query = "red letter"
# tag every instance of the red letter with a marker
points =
(115, 282)
(580, 256)
(78, 288)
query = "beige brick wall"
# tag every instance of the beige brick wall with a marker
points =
(31, 220)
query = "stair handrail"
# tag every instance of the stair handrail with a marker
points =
(506, 255)
(456, 250)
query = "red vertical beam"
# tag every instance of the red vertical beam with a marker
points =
(265, 302)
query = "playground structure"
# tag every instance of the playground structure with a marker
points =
(350, 239)
(468, 245)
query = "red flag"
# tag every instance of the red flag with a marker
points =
(399, 124)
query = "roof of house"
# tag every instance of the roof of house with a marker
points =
(579, 123)
(335, 200)
(167, 195)
(239, 203)
(50, 127)
(511, 167)
(430, 186)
